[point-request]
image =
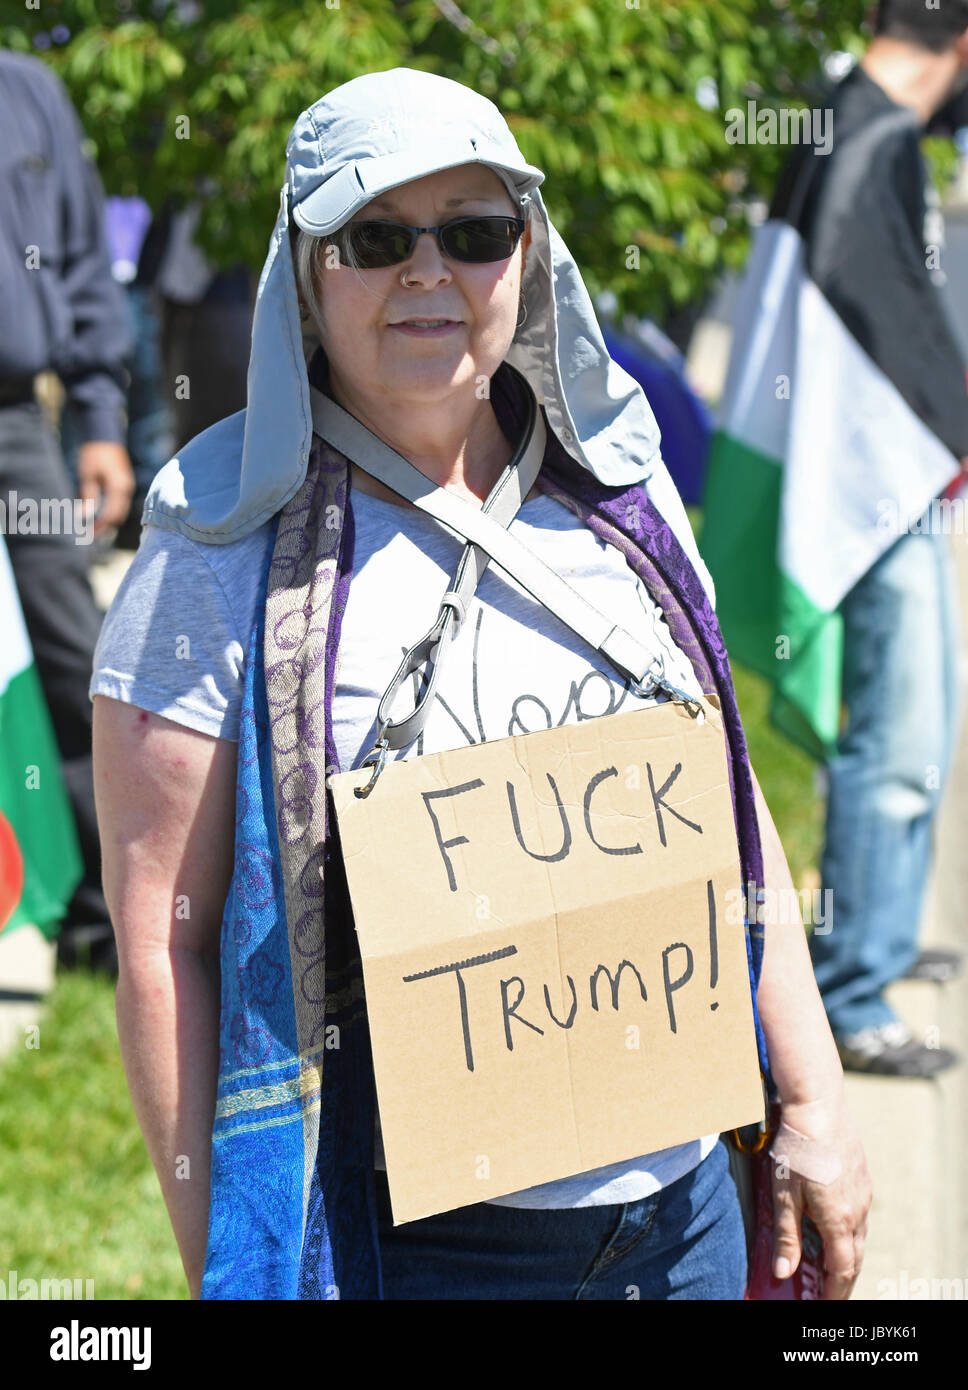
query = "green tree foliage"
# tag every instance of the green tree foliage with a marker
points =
(621, 102)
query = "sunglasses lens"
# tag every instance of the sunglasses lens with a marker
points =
(378, 243)
(480, 238)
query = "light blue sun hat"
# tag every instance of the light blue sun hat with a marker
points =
(363, 138)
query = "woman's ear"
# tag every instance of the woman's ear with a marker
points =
(305, 313)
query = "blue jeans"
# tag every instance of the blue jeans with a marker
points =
(901, 692)
(685, 1242)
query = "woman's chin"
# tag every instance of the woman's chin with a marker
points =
(429, 383)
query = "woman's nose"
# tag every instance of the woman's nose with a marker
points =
(426, 262)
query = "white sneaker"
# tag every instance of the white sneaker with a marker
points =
(890, 1049)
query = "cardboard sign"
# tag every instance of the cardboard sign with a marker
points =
(551, 981)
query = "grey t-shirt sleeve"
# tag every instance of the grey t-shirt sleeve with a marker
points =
(175, 636)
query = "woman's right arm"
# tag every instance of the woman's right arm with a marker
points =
(166, 811)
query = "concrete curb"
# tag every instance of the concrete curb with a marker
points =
(27, 964)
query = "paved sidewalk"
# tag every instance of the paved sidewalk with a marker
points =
(26, 976)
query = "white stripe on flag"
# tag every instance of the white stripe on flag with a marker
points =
(15, 652)
(856, 451)
(764, 343)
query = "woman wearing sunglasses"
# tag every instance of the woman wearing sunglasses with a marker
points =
(245, 659)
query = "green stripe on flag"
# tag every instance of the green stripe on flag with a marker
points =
(757, 606)
(807, 695)
(741, 507)
(34, 801)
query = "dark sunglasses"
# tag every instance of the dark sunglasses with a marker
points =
(474, 239)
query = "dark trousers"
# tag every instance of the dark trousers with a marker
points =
(63, 622)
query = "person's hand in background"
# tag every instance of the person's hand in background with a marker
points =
(106, 481)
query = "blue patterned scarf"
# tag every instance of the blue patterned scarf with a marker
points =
(292, 1211)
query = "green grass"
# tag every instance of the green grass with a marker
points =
(788, 779)
(78, 1194)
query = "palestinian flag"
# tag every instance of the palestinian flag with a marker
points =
(845, 410)
(40, 861)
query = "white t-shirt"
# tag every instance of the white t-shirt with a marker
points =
(513, 668)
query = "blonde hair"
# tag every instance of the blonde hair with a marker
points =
(306, 251)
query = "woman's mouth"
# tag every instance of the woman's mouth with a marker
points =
(426, 328)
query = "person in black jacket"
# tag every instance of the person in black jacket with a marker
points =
(62, 312)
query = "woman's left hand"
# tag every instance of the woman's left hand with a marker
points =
(819, 1168)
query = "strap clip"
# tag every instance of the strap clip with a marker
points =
(375, 759)
(655, 679)
(759, 1142)
(692, 704)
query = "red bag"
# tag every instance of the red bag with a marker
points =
(806, 1282)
